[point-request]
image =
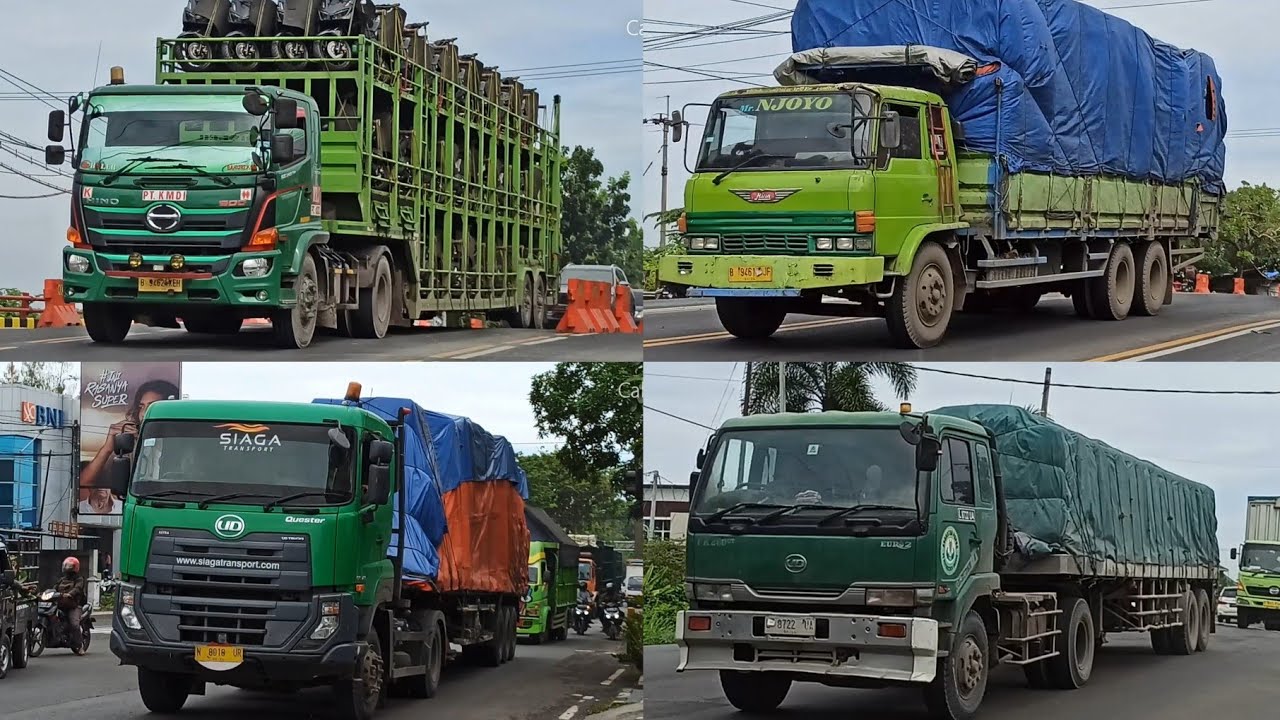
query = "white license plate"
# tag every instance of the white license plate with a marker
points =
(789, 626)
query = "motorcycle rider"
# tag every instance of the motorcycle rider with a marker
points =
(584, 595)
(608, 596)
(72, 597)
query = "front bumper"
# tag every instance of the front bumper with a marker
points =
(1227, 611)
(206, 281)
(1258, 607)
(788, 272)
(852, 646)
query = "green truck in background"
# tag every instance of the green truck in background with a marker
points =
(886, 549)
(393, 181)
(1258, 587)
(553, 580)
(861, 193)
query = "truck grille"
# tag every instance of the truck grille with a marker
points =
(201, 622)
(1261, 592)
(766, 244)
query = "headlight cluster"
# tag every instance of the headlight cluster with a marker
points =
(78, 263)
(704, 243)
(328, 624)
(842, 243)
(712, 593)
(128, 615)
(904, 597)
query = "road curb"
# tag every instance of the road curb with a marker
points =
(629, 705)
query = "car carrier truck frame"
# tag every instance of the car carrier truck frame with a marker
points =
(391, 182)
(803, 569)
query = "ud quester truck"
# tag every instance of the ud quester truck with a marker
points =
(878, 550)
(920, 159)
(352, 176)
(1258, 587)
(356, 543)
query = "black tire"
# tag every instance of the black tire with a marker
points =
(213, 324)
(1272, 626)
(426, 685)
(35, 642)
(86, 636)
(1037, 675)
(107, 324)
(919, 311)
(294, 328)
(163, 693)
(1242, 621)
(945, 696)
(1081, 300)
(1160, 642)
(1113, 293)
(21, 651)
(522, 315)
(1077, 645)
(1182, 640)
(373, 316)
(290, 54)
(540, 303)
(750, 318)
(1206, 619)
(754, 692)
(1153, 278)
(358, 696)
(195, 56)
(489, 653)
(6, 655)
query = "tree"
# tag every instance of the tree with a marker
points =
(584, 502)
(596, 223)
(58, 377)
(1249, 237)
(824, 385)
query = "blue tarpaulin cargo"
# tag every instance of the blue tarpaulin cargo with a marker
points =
(1084, 92)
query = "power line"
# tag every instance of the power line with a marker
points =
(1040, 383)
(677, 417)
(34, 179)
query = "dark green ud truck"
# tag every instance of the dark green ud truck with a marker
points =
(874, 550)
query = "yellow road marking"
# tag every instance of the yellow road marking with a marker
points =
(1179, 342)
(683, 339)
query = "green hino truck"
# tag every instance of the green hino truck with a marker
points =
(404, 184)
(261, 549)
(873, 550)
(1258, 588)
(553, 580)
(859, 199)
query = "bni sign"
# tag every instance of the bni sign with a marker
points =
(33, 414)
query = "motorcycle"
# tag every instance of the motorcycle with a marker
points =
(202, 19)
(581, 619)
(611, 620)
(249, 19)
(50, 630)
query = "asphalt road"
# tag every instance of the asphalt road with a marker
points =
(254, 344)
(1214, 327)
(565, 680)
(1234, 678)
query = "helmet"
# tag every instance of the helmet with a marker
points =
(608, 586)
(70, 564)
(582, 586)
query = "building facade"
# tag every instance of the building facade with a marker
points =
(666, 510)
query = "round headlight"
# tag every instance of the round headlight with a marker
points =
(135, 260)
(78, 263)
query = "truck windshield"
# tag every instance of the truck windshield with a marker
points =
(1260, 558)
(533, 575)
(584, 571)
(214, 132)
(782, 467)
(261, 461)
(804, 130)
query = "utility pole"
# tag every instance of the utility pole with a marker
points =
(653, 503)
(746, 391)
(782, 387)
(665, 120)
(1044, 399)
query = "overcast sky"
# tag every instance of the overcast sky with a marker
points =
(496, 395)
(1226, 442)
(43, 46)
(1238, 34)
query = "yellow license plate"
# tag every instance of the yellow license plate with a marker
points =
(159, 284)
(1271, 605)
(219, 654)
(751, 273)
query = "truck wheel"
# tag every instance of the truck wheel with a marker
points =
(372, 316)
(512, 619)
(750, 318)
(107, 324)
(1071, 667)
(426, 685)
(957, 690)
(490, 652)
(754, 692)
(1113, 293)
(1037, 676)
(358, 696)
(6, 656)
(1206, 620)
(1272, 626)
(1160, 641)
(21, 651)
(1182, 640)
(163, 693)
(919, 311)
(35, 642)
(1153, 279)
(1081, 300)
(540, 303)
(1242, 620)
(293, 328)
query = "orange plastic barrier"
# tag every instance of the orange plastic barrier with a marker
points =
(1238, 287)
(1202, 283)
(588, 310)
(622, 312)
(57, 311)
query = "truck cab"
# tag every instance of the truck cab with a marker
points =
(1258, 586)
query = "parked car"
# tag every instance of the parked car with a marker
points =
(611, 274)
(634, 586)
(1227, 605)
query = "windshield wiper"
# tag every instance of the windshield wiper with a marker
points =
(716, 180)
(843, 512)
(204, 504)
(740, 506)
(133, 164)
(167, 493)
(220, 179)
(295, 496)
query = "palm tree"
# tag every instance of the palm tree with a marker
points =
(824, 385)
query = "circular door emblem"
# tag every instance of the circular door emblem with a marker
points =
(795, 563)
(950, 551)
(163, 218)
(1274, 591)
(229, 526)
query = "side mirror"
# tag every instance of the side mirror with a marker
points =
(927, 453)
(379, 490)
(124, 444)
(381, 452)
(285, 116)
(8, 578)
(253, 103)
(693, 478)
(57, 125)
(677, 127)
(702, 457)
(281, 148)
(339, 446)
(838, 130)
(118, 470)
(55, 155)
(891, 130)
(911, 432)
(1235, 554)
